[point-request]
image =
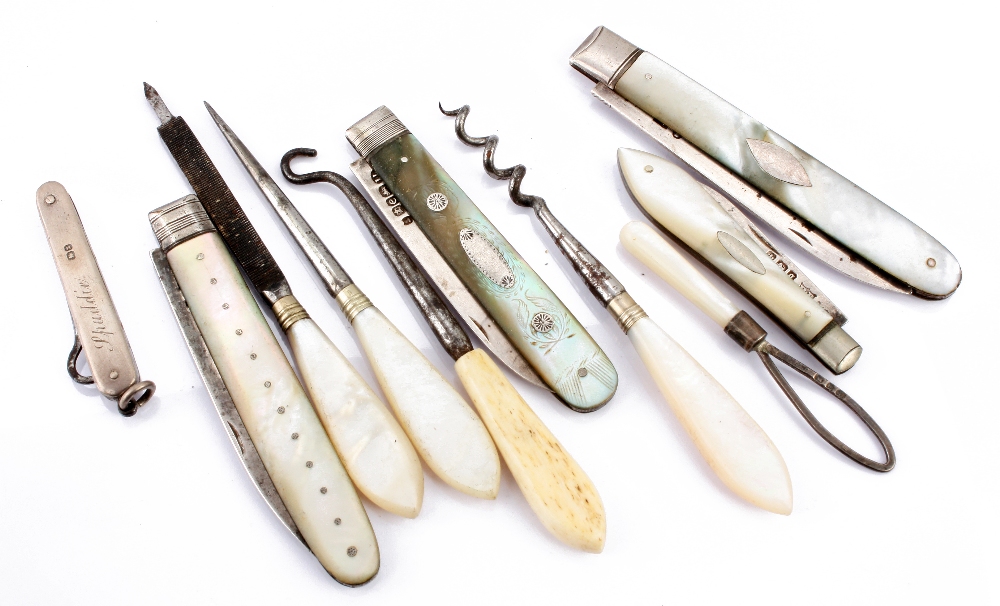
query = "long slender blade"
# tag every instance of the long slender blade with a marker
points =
(438, 270)
(218, 200)
(217, 391)
(767, 210)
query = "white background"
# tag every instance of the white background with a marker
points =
(96, 508)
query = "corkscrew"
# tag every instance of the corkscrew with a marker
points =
(667, 262)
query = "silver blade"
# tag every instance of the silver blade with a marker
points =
(438, 270)
(219, 394)
(766, 209)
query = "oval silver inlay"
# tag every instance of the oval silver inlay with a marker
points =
(486, 257)
(779, 162)
(437, 202)
(743, 255)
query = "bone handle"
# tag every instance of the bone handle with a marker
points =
(444, 429)
(281, 422)
(556, 488)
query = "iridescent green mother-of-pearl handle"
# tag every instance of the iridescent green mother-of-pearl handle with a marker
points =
(539, 325)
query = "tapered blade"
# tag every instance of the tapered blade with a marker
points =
(220, 396)
(438, 270)
(767, 210)
(218, 200)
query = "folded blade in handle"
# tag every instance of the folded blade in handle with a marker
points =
(443, 276)
(808, 202)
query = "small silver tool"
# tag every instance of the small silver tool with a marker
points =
(98, 331)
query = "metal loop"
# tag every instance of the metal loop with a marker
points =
(74, 357)
(765, 350)
(127, 406)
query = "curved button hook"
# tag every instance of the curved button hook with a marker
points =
(765, 350)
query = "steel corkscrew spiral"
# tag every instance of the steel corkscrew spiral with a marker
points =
(514, 174)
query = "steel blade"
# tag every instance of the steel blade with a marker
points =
(217, 391)
(438, 270)
(767, 210)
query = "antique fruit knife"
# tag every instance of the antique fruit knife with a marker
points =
(274, 428)
(542, 329)
(696, 215)
(815, 207)
(658, 255)
(732, 443)
(374, 448)
(556, 488)
(445, 431)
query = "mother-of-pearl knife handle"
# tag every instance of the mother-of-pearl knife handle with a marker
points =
(374, 448)
(449, 436)
(281, 421)
(687, 210)
(539, 325)
(732, 443)
(766, 160)
(556, 488)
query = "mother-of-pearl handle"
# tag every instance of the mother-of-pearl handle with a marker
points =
(277, 414)
(732, 443)
(556, 488)
(374, 448)
(444, 429)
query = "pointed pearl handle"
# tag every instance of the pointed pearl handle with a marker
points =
(444, 429)
(735, 447)
(281, 422)
(375, 450)
(556, 488)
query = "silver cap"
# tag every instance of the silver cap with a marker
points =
(836, 349)
(604, 56)
(375, 130)
(178, 221)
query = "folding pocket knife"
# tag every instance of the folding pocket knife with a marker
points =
(809, 203)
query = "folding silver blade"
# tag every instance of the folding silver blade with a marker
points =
(219, 394)
(438, 270)
(766, 209)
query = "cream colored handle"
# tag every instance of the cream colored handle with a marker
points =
(375, 450)
(686, 209)
(444, 429)
(732, 443)
(556, 488)
(277, 414)
(667, 262)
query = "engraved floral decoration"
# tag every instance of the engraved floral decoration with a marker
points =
(557, 324)
(542, 322)
(437, 201)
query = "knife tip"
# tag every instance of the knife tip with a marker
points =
(157, 103)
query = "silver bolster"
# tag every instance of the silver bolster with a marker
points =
(179, 221)
(604, 56)
(835, 348)
(374, 130)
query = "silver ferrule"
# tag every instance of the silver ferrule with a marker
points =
(604, 56)
(352, 302)
(179, 221)
(625, 311)
(375, 130)
(836, 349)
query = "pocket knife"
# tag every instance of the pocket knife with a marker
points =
(809, 203)
(540, 327)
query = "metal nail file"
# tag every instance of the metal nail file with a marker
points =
(448, 435)
(806, 201)
(258, 397)
(538, 324)
(734, 446)
(372, 445)
(554, 485)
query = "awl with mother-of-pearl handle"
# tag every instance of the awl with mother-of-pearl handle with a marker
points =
(443, 428)
(731, 442)
(810, 204)
(373, 447)
(552, 482)
(706, 222)
(275, 430)
(658, 255)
